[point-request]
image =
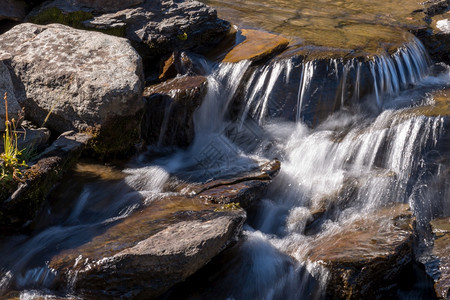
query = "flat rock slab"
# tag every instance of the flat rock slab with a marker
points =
(256, 46)
(80, 79)
(441, 251)
(366, 255)
(151, 250)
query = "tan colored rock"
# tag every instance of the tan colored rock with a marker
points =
(256, 46)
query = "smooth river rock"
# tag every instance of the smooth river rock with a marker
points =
(366, 256)
(82, 80)
(256, 45)
(150, 251)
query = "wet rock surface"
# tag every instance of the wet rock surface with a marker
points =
(26, 201)
(440, 251)
(79, 79)
(151, 250)
(161, 244)
(365, 256)
(169, 111)
(256, 45)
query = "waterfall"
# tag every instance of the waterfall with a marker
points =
(347, 141)
(297, 89)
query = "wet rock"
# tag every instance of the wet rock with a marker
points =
(245, 190)
(169, 109)
(441, 250)
(6, 85)
(148, 252)
(257, 45)
(156, 27)
(26, 201)
(81, 80)
(178, 64)
(14, 10)
(366, 255)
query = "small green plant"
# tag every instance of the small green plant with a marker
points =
(11, 167)
(183, 36)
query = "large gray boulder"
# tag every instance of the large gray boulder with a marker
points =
(156, 27)
(84, 81)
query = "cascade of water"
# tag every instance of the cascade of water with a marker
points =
(318, 84)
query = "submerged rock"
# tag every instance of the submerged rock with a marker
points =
(256, 45)
(366, 255)
(169, 111)
(26, 201)
(441, 250)
(81, 80)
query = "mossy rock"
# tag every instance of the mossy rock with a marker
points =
(73, 19)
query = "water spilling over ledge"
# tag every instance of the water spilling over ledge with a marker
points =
(337, 149)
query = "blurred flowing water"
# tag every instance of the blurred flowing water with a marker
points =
(348, 129)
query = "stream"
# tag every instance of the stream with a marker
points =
(351, 131)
